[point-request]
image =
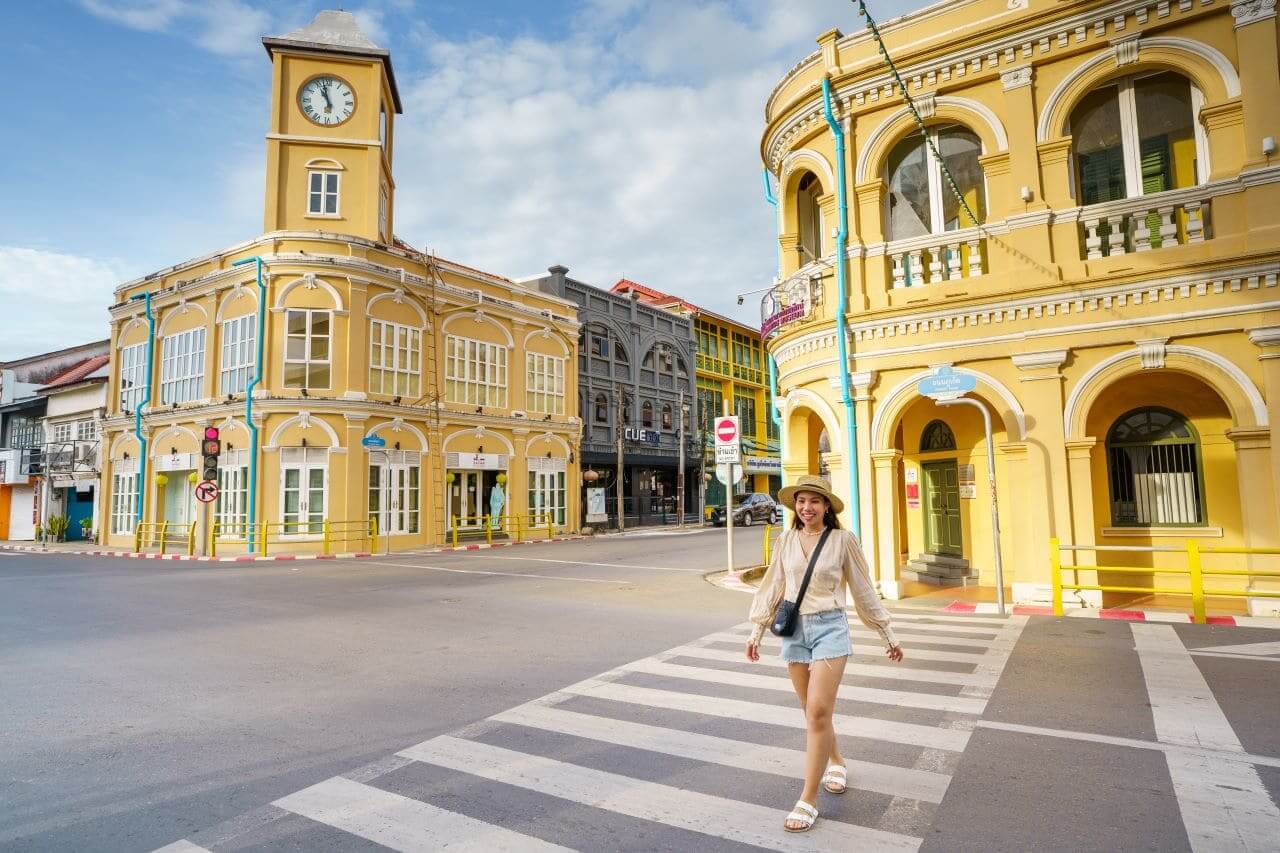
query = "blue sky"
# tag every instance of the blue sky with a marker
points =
(617, 137)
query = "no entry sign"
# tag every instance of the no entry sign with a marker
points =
(728, 448)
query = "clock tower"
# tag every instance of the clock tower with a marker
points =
(329, 147)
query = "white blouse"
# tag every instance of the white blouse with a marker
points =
(841, 563)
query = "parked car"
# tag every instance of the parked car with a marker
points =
(754, 508)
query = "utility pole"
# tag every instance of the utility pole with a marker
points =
(621, 405)
(680, 470)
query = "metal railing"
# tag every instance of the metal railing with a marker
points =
(259, 536)
(771, 534)
(148, 534)
(1195, 572)
(509, 525)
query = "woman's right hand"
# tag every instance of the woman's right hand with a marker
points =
(753, 651)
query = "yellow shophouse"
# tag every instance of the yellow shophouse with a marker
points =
(355, 381)
(1088, 229)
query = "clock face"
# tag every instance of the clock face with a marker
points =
(327, 100)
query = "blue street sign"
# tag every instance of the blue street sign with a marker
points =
(946, 383)
(373, 441)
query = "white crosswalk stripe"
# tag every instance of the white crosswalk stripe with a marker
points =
(686, 705)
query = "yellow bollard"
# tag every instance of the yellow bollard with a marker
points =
(488, 530)
(455, 530)
(137, 539)
(213, 539)
(164, 537)
(191, 540)
(326, 530)
(551, 529)
(1197, 583)
(1055, 575)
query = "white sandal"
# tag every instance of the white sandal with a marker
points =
(836, 779)
(802, 813)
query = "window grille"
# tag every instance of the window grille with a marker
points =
(1153, 459)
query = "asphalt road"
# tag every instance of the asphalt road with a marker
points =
(145, 700)
(592, 695)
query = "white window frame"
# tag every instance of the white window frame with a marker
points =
(549, 482)
(231, 509)
(324, 194)
(476, 372)
(182, 367)
(61, 433)
(306, 361)
(405, 347)
(304, 460)
(133, 369)
(938, 184)
(1131, 137)
(86, 430)
(239, 353)
(384, 209)
(124, 496)
(401, 504)
(544, 383)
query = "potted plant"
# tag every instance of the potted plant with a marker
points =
(86, 529)
(39, 532)
(58, 525)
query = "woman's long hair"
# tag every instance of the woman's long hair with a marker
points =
(829, 518)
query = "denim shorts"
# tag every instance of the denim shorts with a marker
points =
(818, 636)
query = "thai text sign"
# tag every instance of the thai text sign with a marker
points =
(789, 314)
(946, 384)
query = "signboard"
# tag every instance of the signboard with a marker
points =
(729, 474)
(595, 505)
(968, 490)
(946, 384)
(913, 495)
(645, 436)
(374, 442)
(176, 462)
(728, 448)
(786, 303)
(207, 492)
(913, 475)
(481, 461)
(763, 465)
(780, 318)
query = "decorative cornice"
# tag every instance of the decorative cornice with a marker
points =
(1126, 50)
(1153, 352)
(1268, 339)
(1248, 12)
(1054, 358)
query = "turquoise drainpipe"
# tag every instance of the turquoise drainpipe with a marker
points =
(146, 401)
(774, 413)
(248, 407)
(842, 235)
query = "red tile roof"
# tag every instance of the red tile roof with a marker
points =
(662, 300)
(78, 373)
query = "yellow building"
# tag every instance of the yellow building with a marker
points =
(732, 379)
(1115, 300)
(385, 384)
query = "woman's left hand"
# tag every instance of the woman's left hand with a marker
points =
(895, 653)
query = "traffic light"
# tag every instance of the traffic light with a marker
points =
(210, 449)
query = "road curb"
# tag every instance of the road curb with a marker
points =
(1125, 615)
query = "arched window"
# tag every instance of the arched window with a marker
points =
(646, 415)
(937, 436)
(1136, 137)
(1153, 461)
(666, 416)
(921, 200)
(810, 218)
(602, 409)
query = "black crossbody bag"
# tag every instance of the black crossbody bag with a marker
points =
(788, 612)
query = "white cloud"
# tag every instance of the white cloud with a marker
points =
(70, 308)
(224, 27)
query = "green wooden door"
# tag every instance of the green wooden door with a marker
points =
(942, 509)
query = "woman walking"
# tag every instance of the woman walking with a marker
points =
(803, 591)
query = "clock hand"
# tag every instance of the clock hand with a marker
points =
(324, 90)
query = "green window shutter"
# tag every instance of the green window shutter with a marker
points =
(1157, 174)
(1102, 175)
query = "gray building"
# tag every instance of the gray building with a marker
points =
(635, 372)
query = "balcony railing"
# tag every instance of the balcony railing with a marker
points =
(935, 258)
(1135, 225)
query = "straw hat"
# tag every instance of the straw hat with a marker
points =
(809, 483)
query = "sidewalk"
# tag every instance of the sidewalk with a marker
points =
(981, 600)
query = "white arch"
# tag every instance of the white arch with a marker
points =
(229, 423)
(310, 281)
(324, 163)
(893, 401)
(808, 155)
(120, 439)
(550, 438)
(178, 310)
(484, 435)
(399, 297)
(155, 442)
(124, 330)
(397, 424)
(969, 105)
(480, 317)
(1241, 379)
(803, 396)
(1215, 57)
(546, 333)
(306, 420)
(235, 294)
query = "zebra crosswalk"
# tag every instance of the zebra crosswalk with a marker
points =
(692, 748)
